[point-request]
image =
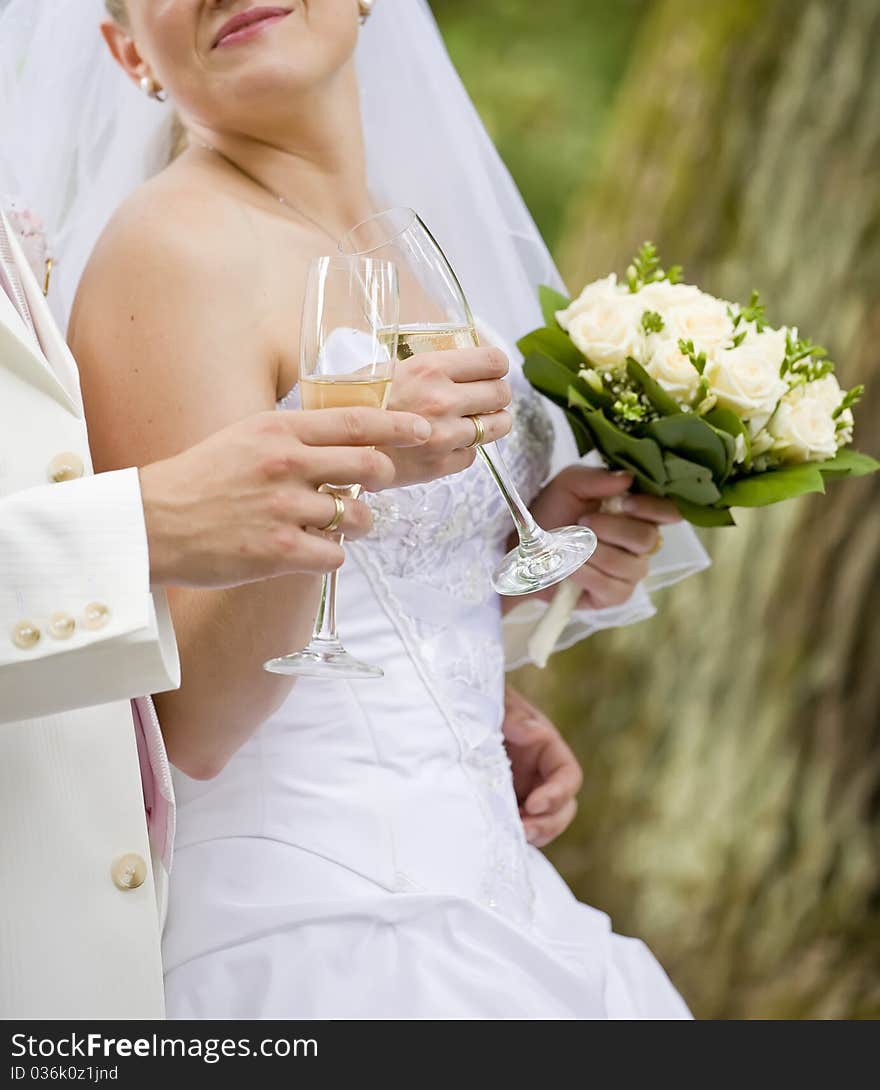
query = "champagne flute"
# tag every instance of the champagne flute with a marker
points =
(348, 348)
(435, 315)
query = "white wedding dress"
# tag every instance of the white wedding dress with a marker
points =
(362, 856)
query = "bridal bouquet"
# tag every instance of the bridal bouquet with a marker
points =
(699, 398)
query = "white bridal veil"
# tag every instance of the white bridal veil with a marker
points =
(76, 137)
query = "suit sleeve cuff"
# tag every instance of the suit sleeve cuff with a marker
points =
(79, 624)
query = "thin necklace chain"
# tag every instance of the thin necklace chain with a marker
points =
(297, 211)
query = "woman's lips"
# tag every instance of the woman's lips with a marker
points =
(247, 24)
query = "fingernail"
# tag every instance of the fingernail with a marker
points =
(620, 473)
(531, 835)
(539, 807)
(422, 428)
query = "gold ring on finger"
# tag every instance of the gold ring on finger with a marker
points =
(612, 505)
(334, 523)
(479, 432)
(658, 545)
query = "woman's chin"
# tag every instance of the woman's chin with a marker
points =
(260, 87)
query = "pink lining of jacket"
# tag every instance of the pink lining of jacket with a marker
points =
(156, 779)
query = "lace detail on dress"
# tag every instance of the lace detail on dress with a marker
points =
(451, 533)
(430, 556)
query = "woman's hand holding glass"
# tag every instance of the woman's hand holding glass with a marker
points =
(435, 315)
(448, 389)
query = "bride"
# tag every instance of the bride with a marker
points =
(344, 850)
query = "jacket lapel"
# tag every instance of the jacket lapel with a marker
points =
(53, 368)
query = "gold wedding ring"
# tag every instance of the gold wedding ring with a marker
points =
(612, 505)
(479, 432)
(658, 546)
(334, 523)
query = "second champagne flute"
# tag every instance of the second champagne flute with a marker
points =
(348, 347)
(435, 315)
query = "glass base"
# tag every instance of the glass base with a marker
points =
(322, 659)
(557, 555)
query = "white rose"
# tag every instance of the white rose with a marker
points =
(703, 320)
(661, 295)
(607, 331)
(746, 379)
(672, 369)
(772, 342)
(827, 390)
(598, 290)
(803, 428)
(761, 442)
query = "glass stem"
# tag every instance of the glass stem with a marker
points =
(531, 536)
(325, 618)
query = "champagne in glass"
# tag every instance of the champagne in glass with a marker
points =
(322, 393)
(435, 316)
(348, 348)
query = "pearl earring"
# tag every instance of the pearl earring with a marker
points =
(365, 7)
(152, 90)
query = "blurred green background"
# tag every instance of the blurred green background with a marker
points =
(731, 745)
(543, 78)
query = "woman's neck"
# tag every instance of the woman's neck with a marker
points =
(314, 158)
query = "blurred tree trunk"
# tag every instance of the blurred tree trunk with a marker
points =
(731, 743)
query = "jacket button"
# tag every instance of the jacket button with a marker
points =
(25, 635)
(129, 872)
(61, 626)
(66, 467)
(96, 616)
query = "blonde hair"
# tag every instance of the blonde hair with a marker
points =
(117, 12)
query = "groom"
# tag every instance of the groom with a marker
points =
(86, 807)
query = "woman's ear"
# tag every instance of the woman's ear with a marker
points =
(125, 52)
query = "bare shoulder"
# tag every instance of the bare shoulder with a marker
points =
(162, 248)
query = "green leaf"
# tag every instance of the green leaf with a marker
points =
(627, 451)
(692, 438)
(662, 402)
(703, 493)
(775, 485)
(726, 420)
(554, 380)
(581, 432)
(729, 445)
(553, 343)
(642, 482)
(678, 469)
(583, 396)
(551, 301)
(848, 463)
(704, 516)
(689, 481)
